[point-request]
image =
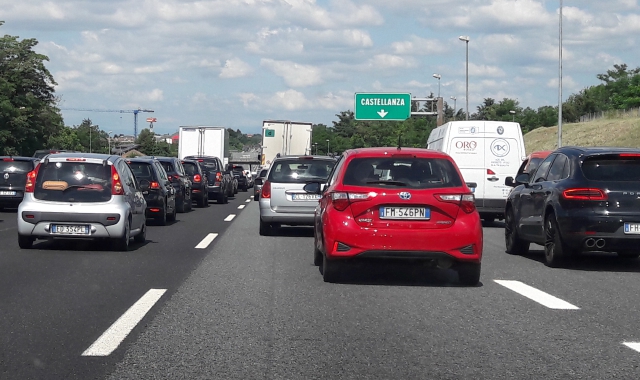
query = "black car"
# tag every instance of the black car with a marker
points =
(199, 182)
(239, 174)
(220, 181)
(577, 200)
(13, 178)
(156, 188)
(180, 181)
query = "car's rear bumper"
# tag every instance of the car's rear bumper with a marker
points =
(598, 233)
(290, 218)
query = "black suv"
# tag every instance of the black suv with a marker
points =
(156, 188)
(578, 199)
(220, 179)
(239, 173)
(180, 181)
(199, 181)
(13, 178)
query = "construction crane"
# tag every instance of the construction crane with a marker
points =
(134, 112)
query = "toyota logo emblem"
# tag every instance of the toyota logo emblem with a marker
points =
(405, 195)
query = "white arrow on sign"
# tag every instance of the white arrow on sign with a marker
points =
(382, 113)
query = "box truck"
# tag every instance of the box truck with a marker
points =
(204, 141)
(285, 138)
(487, 152)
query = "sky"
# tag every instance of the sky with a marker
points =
(235, 63)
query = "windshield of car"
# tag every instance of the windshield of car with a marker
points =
(415, 173)
(10, 166)
(141, 170)
(190, 168)
(73, 182)
(612, 168)
(300, 170)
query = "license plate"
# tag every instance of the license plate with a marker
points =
(405, 213)
(632, 228)
(63, 229)
(9, 193)
(305, 197)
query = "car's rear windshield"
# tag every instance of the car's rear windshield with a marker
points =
(414, 173)
(73, 182)
(300, 170)
(168, 166)
(190, 168)
(211, 164)
(612, 168)
(142, 170)
(15, 166)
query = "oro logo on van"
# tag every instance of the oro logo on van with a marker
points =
(500, 147)
(466, 145)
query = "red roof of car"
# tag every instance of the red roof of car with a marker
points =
(540, 154)
(391, 151)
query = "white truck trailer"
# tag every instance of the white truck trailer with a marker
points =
(204, 141)
(286, 138)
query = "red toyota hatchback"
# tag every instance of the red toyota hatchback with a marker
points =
(397, 203)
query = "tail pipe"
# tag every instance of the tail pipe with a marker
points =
(600, 243)
(590, 243)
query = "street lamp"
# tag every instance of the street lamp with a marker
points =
(90, 132)
(316, 146)
(560, 79)
(466, 40)
(328, 147)
(438, 77)
(109, 140)
(513, 115)
(454, 107)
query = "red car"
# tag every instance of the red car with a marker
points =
(397, 203)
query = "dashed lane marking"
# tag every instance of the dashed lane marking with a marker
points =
(206, 241)
(229, 218)
(248, 200)
(539, 296)
(633, 345)
(241, 207)
(120, 329)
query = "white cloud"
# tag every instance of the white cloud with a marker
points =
(235, 68)
(294, 74)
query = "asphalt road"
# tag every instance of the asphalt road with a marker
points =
(252, 307)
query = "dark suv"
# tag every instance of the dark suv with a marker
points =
(180, 181)
(156, 188)
(219, 179)
(578, 199)
(199, 181)
(13, 178)
(239, 173)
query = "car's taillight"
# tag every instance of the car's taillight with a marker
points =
(116, 185)
(266, 190)
(219, 177)
(465, 201)
(197, 178)
(7, 159)
(585, 194)
(31, 180)
(341, 201)
(154, 185)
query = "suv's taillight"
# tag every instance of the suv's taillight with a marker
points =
(154, 185)
(116, 184)
(31, 180)
(197, 178)
(465, 201)
(585, 194)
(341, 201)
(266, 190)
(219, 177)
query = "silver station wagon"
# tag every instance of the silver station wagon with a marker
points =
(82, 196)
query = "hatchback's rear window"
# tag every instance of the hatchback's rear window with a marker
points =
(73, 182)
(300, 170)
(142, 170)
(414, 173)
(612, 168)
(168, 166)
(16, 166)
(190, 168)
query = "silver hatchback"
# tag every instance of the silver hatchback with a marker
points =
(282, 197)
(82, 196)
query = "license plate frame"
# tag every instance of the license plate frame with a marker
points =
(305, 197)
(631, 228)
(70, 229)
(6, 193)
(404, 213)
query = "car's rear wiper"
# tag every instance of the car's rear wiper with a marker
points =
(88, 187)
(393, 183)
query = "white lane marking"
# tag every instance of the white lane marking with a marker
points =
(230, 217)
(206, 241)
(241, 207)
(111, 339)
(248, 200)
(539, 296)
(633, 345)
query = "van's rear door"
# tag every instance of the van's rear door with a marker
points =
(504, 151)
(467, 147)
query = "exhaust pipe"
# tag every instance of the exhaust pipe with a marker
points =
(600, 243)
(590, 243)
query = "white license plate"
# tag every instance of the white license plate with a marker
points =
(632, 228)
(9, 193)
(305, 197)
(63, 229)
(405, 213)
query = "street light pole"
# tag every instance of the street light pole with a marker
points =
(466, 40)
(328, 147)
(454, 107)
(109, 140)
(560, 79)
(513, 115)
(90, 145)
(438, 77)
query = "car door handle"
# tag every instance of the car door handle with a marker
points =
(493, 179)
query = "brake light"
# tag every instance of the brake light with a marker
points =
(7, 159)
(341, 201)
(585, 194)
(74, 159)
(490, 172)
(266, 190)
(219, 177)
(465, 201)
(116, 185)
(154, 185)
(629, 155)
(173, 177)
(31, 180)
(197, 178)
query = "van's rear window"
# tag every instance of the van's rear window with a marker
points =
(73, 182)
(612, 168)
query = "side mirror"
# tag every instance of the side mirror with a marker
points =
(312, 188)
(258, 181)
(509, 182)
(472, 186)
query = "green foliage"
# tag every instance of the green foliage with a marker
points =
(151, 147)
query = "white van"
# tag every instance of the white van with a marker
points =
(486, 152)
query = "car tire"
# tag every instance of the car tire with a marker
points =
(142, 236)
(122, 243)
(331, 270)
(514, 244)
(189, 202)
(556, 251)
(629, 254)
(180, 203)
(25, 242)
(469, 273)
(317, 254)
(266, 229)
(256, 197)
(162, 219)
(172, 217)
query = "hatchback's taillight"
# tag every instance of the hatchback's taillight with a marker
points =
(197, 178)
(465, 201)
(585, 194)
(154, 185)
(31, 180)
(116, 184)
(341, 201)
(266, 190)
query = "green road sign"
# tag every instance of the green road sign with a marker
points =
(382, 106)
(269, 133)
